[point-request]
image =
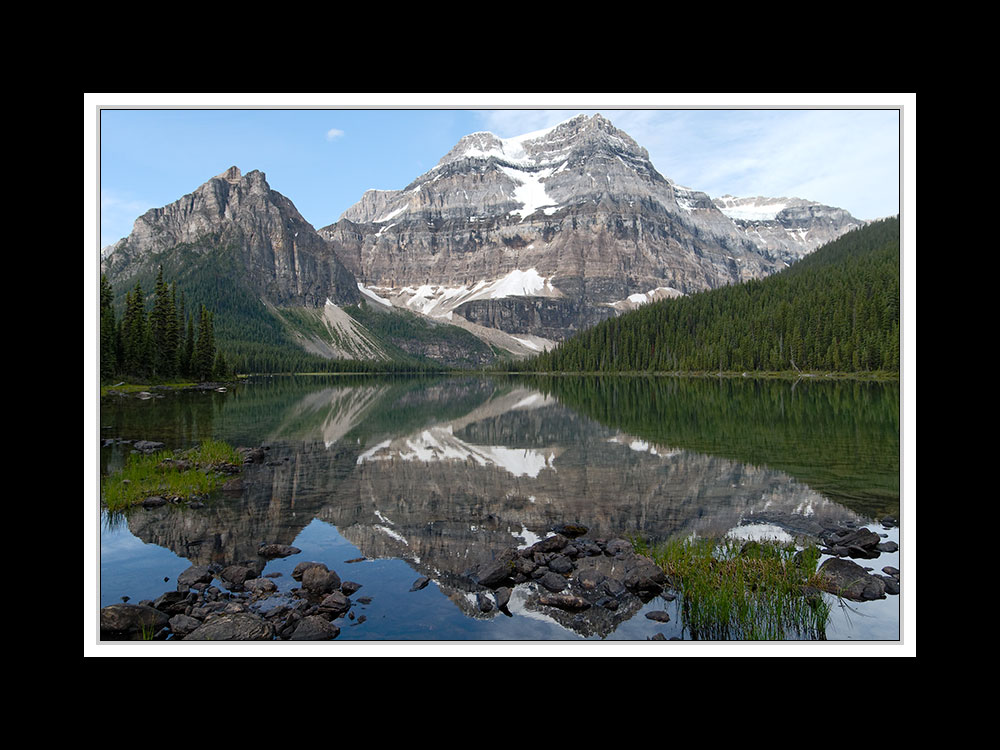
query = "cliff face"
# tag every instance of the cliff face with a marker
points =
(284, 260)
(546, 233)
(786, 228)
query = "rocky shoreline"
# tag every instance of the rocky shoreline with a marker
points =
(566, 574)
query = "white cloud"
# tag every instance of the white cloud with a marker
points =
(334, 133)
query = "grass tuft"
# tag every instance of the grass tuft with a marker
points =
(754, 591)
(182, 475)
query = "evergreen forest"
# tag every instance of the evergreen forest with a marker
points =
(836, 310)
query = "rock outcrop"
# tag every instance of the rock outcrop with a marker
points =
(253, 230)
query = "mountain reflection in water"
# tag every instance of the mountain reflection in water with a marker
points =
(445, 473)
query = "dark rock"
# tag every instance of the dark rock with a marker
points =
(563, 601)
(848, 579)
(644, 575)
(862, 538)
(271, 551)
(239, 626)
(553, 581)
(315, 628)
(194, 575)
(236, 575)
(887, 547)
(335, 604)
(612, 587)
(894, 572)
(183, 624)
(862, 553)
(155, 501)
(588, 547)
(525, 566)
(260, 586)
(349, 587)
(483, 602)
(658, 615)
(498, 572)
(131, 621)
(570, 530)
(301, 568)
(607, 602)
(589, 578)
(891, 584)
(318, 580)
(420, 583)
(550, 544)
(618, 547)
(172, 602)
(502, 595)
(561, 564)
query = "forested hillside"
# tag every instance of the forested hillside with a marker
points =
(160, 328)
(837, 310)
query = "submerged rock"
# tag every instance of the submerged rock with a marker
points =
(849, 580)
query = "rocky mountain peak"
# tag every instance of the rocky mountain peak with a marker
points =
(231, 175)
(546, 147)
(279, 253)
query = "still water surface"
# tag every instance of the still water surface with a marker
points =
(433, 476)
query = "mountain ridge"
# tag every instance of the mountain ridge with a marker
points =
(521, 241)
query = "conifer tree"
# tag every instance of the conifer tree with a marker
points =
(108, 332)
(187, 354)
(135, 334)
(204, 349)
(161, 321)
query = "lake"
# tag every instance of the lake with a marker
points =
(386, 480)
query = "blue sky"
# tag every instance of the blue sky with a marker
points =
(324, 159)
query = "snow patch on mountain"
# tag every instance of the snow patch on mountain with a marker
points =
(636, 300)
(753, 209)
(530, 192)
(438, 301)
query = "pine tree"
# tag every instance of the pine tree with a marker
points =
(109, 337)
(203, 358)
(161, 321)
(187, 353)
(135, 334)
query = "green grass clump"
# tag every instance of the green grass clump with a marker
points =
(755, 591)
(183, 474)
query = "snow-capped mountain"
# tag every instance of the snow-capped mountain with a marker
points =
(549, 232)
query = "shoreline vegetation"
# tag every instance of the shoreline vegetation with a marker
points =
(152, 476)
(124, 388)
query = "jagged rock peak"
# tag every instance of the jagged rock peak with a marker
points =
(542, 147)
(232, 175)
